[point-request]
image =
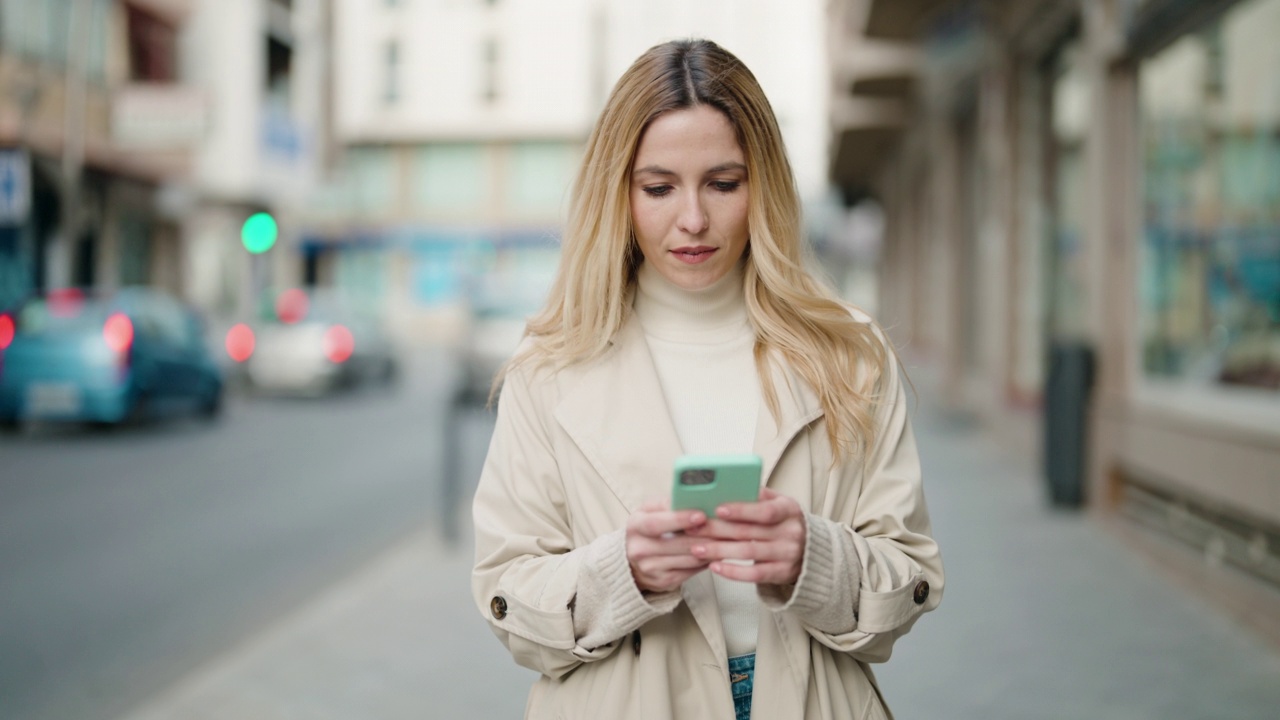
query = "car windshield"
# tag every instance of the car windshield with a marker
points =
(61, 313)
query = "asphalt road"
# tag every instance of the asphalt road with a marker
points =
(129, 557)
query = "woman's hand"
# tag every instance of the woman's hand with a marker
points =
(658, 546)
(770, 531)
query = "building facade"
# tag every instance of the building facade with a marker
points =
(459, 124)
(79, 207)
(1083, 214)
(136, 136)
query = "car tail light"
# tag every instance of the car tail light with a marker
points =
(338, 344)
(118, 332)
(7, 330)
(240, 342)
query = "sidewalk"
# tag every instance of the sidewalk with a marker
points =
(1046, 615)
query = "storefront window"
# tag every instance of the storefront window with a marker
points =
(1211, 158)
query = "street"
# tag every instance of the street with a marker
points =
(133, 555)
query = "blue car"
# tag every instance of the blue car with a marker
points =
(73, 356)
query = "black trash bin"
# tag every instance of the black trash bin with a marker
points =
(1066, 405)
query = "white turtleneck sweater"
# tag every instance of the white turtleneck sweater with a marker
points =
(701, 343)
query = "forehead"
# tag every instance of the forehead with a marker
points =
(689, 137)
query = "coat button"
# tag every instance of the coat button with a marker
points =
(498, 606)
(921, 592)
(635, 642)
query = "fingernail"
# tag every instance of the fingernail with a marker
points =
(699, 550)
(697, 517)
(724, 511)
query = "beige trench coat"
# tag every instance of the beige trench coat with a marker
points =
(575, 452)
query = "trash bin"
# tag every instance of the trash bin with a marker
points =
(1066, 405)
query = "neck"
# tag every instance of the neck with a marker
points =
(709, 315)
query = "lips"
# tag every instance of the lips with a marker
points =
(693, 255)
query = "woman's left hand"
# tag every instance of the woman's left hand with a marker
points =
(770, 531)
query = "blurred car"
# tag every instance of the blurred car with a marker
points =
(501, 302)
(310, 342)
(70, 355)
(493, 335)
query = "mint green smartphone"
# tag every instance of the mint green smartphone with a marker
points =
(705, 482)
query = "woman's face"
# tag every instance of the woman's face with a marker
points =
(689, 197)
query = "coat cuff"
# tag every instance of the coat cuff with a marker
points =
(825, 595)
(608, 605)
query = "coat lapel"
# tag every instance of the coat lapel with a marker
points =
(617, 415)
(798, 407)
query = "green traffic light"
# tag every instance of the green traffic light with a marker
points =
(259, 233)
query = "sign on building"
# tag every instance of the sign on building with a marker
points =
(15, 186)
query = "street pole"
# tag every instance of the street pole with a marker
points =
(58, 254)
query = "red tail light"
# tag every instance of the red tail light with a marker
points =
(7, 330)
(338, 344)
(118, 332)
(240, 342)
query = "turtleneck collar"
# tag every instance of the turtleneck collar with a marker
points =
(712, 315)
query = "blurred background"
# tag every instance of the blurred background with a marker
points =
(259, 260)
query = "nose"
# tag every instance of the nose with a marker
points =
(693, 216)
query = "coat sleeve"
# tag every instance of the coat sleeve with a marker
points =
(554, 605)
(868, 574)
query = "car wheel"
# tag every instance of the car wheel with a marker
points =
(10, 426)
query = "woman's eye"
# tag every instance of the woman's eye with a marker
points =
(657, 190)
(726, 186)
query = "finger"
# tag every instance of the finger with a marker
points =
(656, 523)
(764, 512)
(758, 551)
(790, 530)
(658, 564)
(759, 574)
(663, 545)
(716, 529)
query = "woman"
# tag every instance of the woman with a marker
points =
(683, 321)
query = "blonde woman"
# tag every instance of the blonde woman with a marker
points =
(683, 321)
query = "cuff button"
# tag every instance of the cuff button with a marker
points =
(921, 592)
(498, 606)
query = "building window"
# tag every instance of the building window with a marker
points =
(279, 71)
(489, 70)
(391, 72)
(40, 28)
(152, 47)
(539, 174)
(452, 178)
(1210, 254)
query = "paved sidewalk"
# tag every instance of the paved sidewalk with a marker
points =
(400, 640)
(1046, 616)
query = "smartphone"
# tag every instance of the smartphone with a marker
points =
(705, 482)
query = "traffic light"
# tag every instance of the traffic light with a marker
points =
(259, 233)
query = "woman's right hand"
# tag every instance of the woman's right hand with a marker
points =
(658, 548)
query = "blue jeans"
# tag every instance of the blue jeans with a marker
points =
(742, 674)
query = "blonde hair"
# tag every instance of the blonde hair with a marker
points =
(793, 314)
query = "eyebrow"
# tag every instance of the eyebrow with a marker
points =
(659, 170)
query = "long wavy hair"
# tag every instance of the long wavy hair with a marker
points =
(795, 317)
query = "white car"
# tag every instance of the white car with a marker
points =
(310, 343)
